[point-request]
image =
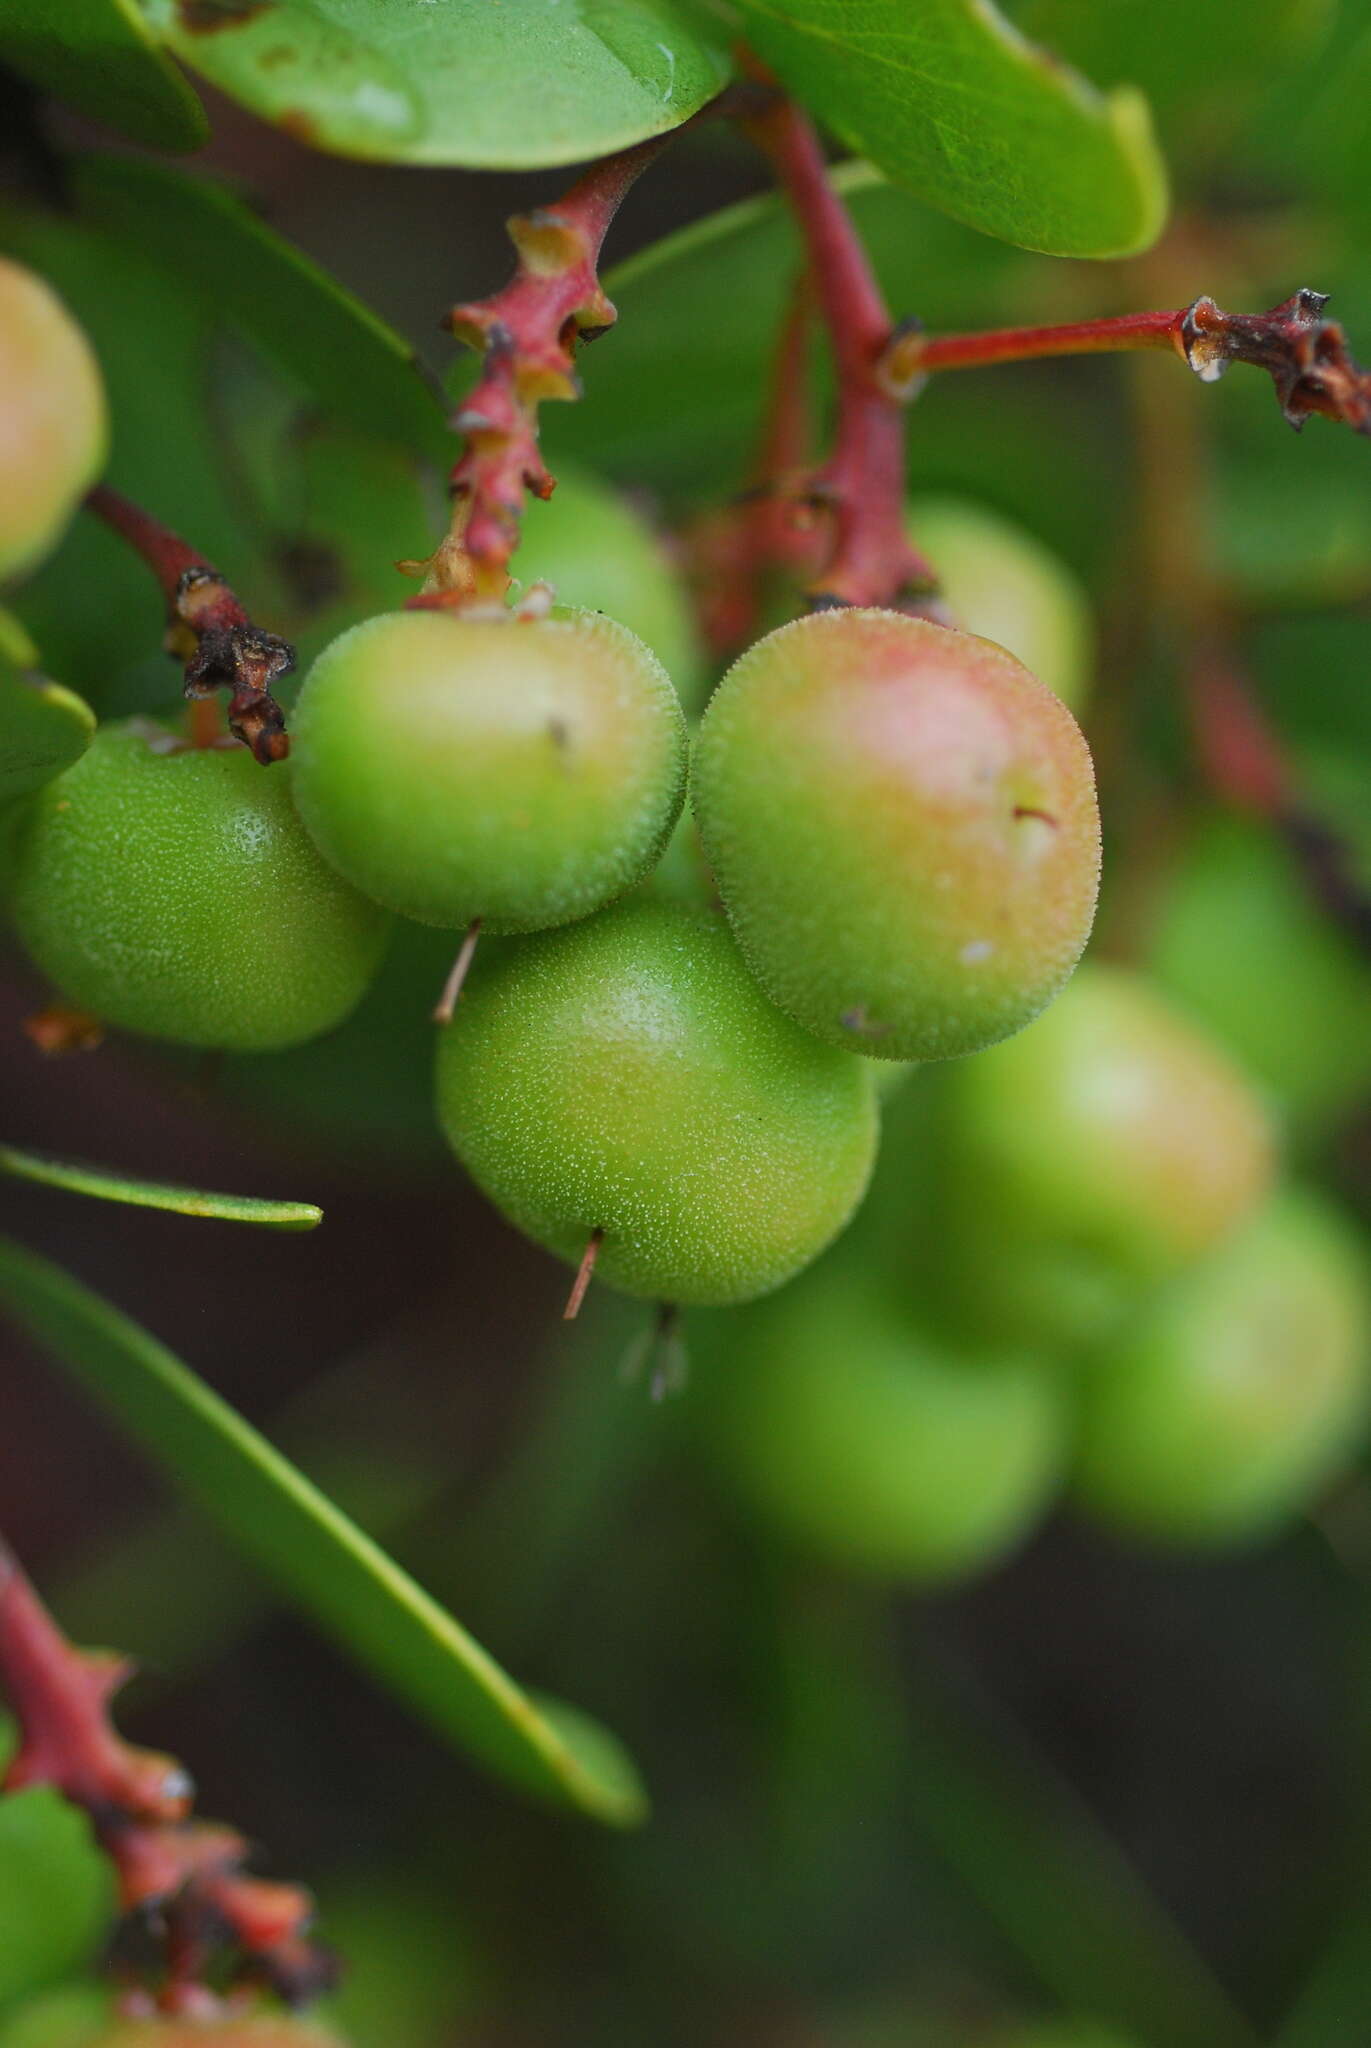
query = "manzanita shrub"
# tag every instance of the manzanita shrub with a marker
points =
(853, 842)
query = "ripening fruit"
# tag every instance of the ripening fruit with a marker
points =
(597, 551)
(859, 1436)
(627, 1076)
(54, 430)
(1000, 582)
(1113, 1129)
(523, 771)
(1238, 1391)
(176, 893)
(903, 828)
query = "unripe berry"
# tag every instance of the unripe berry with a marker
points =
(1000, 582)
(525, 772)
(1113, 1132)
(864, 1439)
(53, 425)
(903, 827)
(588, 541)
(176, 893)
(1240, 1390)
(627, 1076)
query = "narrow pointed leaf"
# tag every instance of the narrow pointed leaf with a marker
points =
(101, 58)
(105, 1186)
(345, 355)
(512, 86)
(953, 102)
(43, 729)
(316, 1555)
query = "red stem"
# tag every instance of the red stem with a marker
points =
(139, 1807)
(1023, 344)
(871, 560)
(527, 333)
(209, 630)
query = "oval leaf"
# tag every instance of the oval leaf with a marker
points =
(43, 729)
(949, 99)
(148, 1194)
(345, 355)
(101, 58)
(319, 1558)
(514, 86)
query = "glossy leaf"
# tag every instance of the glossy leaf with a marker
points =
(77, 1179)
(357, 367)
(43, 729)
(954, 103)
(524, 83)
(100, 57)
(56, 1892)
(319, 1558)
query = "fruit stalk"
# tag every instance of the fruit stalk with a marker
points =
(862, 485)
(1306, 356)
(527, 333)
(209, 630)
(139, 1805)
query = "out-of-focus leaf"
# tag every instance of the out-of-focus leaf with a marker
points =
(56, 1893)
(954, 103)
(1202, 63)
(43, 729)
(342, 353)
(513, 85)
(145, 1194)
(316, 1555)
(100, 56)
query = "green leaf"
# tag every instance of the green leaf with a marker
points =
(147, 1194)
(100, 57)
(357, 367)
(508, 86)
(1202, 63)
(317, 1556)
(56, 1892)
(43, 729)
(953, 102)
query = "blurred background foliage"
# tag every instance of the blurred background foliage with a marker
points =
(1098, 1792)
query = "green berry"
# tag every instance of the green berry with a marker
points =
(1000, 582)
(627, 1076)
(176, 894)
(864, 1439)
(902, 824)
(1240, 1390)
(1113, 1133)
(1240, 943)
(597, 551)
(523, 771)
(53, 425)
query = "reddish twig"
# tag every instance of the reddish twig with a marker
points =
(208, 630)
(528, 334)
(1306, 356)
(731, 551)
(861, 488)
(186, 1874)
